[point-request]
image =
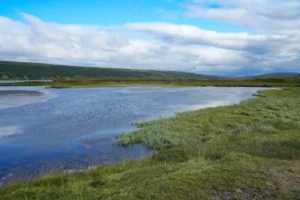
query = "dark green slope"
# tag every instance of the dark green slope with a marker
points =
(17, 70)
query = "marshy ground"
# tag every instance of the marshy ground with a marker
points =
(245, 151)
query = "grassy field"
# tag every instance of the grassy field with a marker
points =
(245, 151)
(69, 83)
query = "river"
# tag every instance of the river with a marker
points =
(45, 131)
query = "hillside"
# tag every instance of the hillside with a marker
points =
(278, 75)
(36, 71)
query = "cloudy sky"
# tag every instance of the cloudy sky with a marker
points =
(220, 37)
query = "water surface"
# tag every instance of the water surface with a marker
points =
(52, 130)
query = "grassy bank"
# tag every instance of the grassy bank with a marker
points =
(70, 83)
(246, 151)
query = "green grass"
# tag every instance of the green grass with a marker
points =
(75, 83)
(177, 82)
(275, 110)
(246, 151)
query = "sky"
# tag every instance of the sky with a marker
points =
(218, 37)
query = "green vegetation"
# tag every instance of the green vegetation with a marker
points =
(72, 76)
(246, 151)
(274, 110)
(38, 71)
(67, 83)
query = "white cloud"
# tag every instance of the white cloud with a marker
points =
(258, 14)
(230, 51)
(193, 35)
(166, 46)
(271, 17)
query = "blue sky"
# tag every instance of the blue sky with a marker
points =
(110, 13)
(232, 37)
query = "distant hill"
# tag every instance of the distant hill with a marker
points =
(36, 71)
(277, 75)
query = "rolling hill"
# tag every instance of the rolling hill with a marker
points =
(277, 75)
(36, 71)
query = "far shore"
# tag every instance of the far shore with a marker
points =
(83, 83)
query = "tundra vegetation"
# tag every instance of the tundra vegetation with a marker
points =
(245, 151)
(78, 83)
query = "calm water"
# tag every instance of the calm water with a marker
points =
(76, 128)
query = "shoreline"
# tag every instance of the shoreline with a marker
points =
(120, 139)
(83, 83)
(240, 151)
(232, 100)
